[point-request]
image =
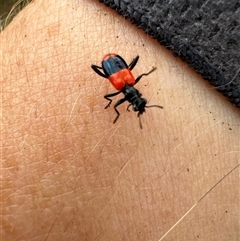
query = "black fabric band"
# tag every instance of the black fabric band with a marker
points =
(204, 33)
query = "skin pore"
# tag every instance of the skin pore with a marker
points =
(69, 173)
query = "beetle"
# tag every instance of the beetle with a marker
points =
(115, 69)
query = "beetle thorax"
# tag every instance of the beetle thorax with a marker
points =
(134, 98)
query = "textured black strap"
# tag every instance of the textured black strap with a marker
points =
(204, 33)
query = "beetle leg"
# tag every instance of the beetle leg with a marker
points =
(119, 102)
(133, 63)
(96, 69)
(128, 107)
(144, 74)
(107, 97)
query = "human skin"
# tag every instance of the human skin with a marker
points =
(69, 173)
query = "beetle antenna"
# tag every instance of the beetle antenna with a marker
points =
(149, 106)
(140, 122)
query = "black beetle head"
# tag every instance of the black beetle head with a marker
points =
(139, 104)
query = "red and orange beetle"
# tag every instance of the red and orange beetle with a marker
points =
(119, 74)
